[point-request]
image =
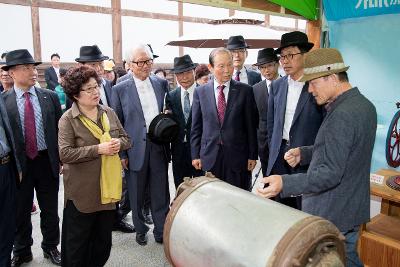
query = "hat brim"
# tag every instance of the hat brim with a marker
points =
(176, 71)
(265, 62)
(7, 67)
(84, 60)
(307, 46)
(233, 47)
(309, 77)
(155, 56)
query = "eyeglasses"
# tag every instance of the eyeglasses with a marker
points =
(289, 56)
(27, 67)
(238, 51)
(92, 90)
(141, 63)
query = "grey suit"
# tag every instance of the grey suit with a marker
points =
(148, 162)
(253, 77)
(41, 173)
(336, 186)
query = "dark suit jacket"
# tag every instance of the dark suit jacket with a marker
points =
(175, 105)
(253, 77)
(126, 103)
(51, 78)
(336, 186)
(260, 91)
(237, 134)
(306, 121)
(9, 135)
(51, 113)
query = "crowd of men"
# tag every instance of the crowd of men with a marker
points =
(311, 130)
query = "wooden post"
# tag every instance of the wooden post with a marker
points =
(116, 30)
(37, 47)
(313, 31)
(180, 22)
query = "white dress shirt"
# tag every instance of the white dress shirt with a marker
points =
(148, 100)
(103, 93)
(57, 70)
(242, 75)
(268, 85)
(293, 95)
(216, 91)
(190, 90)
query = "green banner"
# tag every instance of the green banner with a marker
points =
(305, 8)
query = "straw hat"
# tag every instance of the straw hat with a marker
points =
(322, 62)
(108, 65)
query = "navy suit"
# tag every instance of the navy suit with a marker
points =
(231, 144)
(41, 173)
(51, 78)
(148, 162)
(8, 178)
(180, 149)
(260, 91)
(253, 77)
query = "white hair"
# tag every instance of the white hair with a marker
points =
(132, 52)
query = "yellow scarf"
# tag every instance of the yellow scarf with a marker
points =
(111, 169)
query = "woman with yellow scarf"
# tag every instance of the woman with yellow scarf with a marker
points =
(90, 138)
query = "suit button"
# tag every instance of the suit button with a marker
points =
(144, 139)
(144, 126)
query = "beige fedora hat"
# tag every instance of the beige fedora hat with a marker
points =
(322, 62)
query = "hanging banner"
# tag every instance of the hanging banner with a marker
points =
(344, 9)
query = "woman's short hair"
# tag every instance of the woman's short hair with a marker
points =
(201, 70)
(76, 77)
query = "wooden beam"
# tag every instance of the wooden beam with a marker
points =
(37, 47)
(313, 30)
(116, 30)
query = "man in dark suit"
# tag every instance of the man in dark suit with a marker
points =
(223, 136)
(180, 101)
(267, 63)
(9, 175)
(34, 115)
(52, 74)
(293, 117)
(238, 47)
(93, 57)
(336, 186)
(137, 101)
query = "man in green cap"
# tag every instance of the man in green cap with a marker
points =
(336, 186)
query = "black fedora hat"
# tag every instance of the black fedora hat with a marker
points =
(182, 64)
(163, 129)
(151, 50)
(90, 53)
(265, 56)
(236, 42)
(295, 38)
(19, 57)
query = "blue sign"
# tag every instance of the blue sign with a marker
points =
(344, 9)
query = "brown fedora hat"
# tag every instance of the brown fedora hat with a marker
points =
(322, 62)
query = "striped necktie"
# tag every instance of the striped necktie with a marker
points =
(30, 128)
(221, 104)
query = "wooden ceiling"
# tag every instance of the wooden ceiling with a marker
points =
(258, 6)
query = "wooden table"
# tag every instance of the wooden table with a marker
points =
(379, 243)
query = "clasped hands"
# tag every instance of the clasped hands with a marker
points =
(272, 185)
(251, 164)
(109, 148)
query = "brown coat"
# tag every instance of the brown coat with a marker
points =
(82, 163)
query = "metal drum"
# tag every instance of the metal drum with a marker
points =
(212, 223)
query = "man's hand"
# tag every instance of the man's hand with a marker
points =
(292, 157)
(196, 164)
(124, 163)
(274, 188)
(251, 164)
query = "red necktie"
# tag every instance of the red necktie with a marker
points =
(30, 128)
(237, 77)
(221, 103)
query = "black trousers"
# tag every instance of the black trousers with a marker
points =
(39, 177)
(154, 175)
(238, 176)
(182, 166)
(7, 213)
(86, 237)
(282, 167)
(123, 206)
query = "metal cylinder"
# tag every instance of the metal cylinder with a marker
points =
(212, 223)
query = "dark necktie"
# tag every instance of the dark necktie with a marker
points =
(186, 106)
(30, 128)
(237, 76)
(221, 103)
